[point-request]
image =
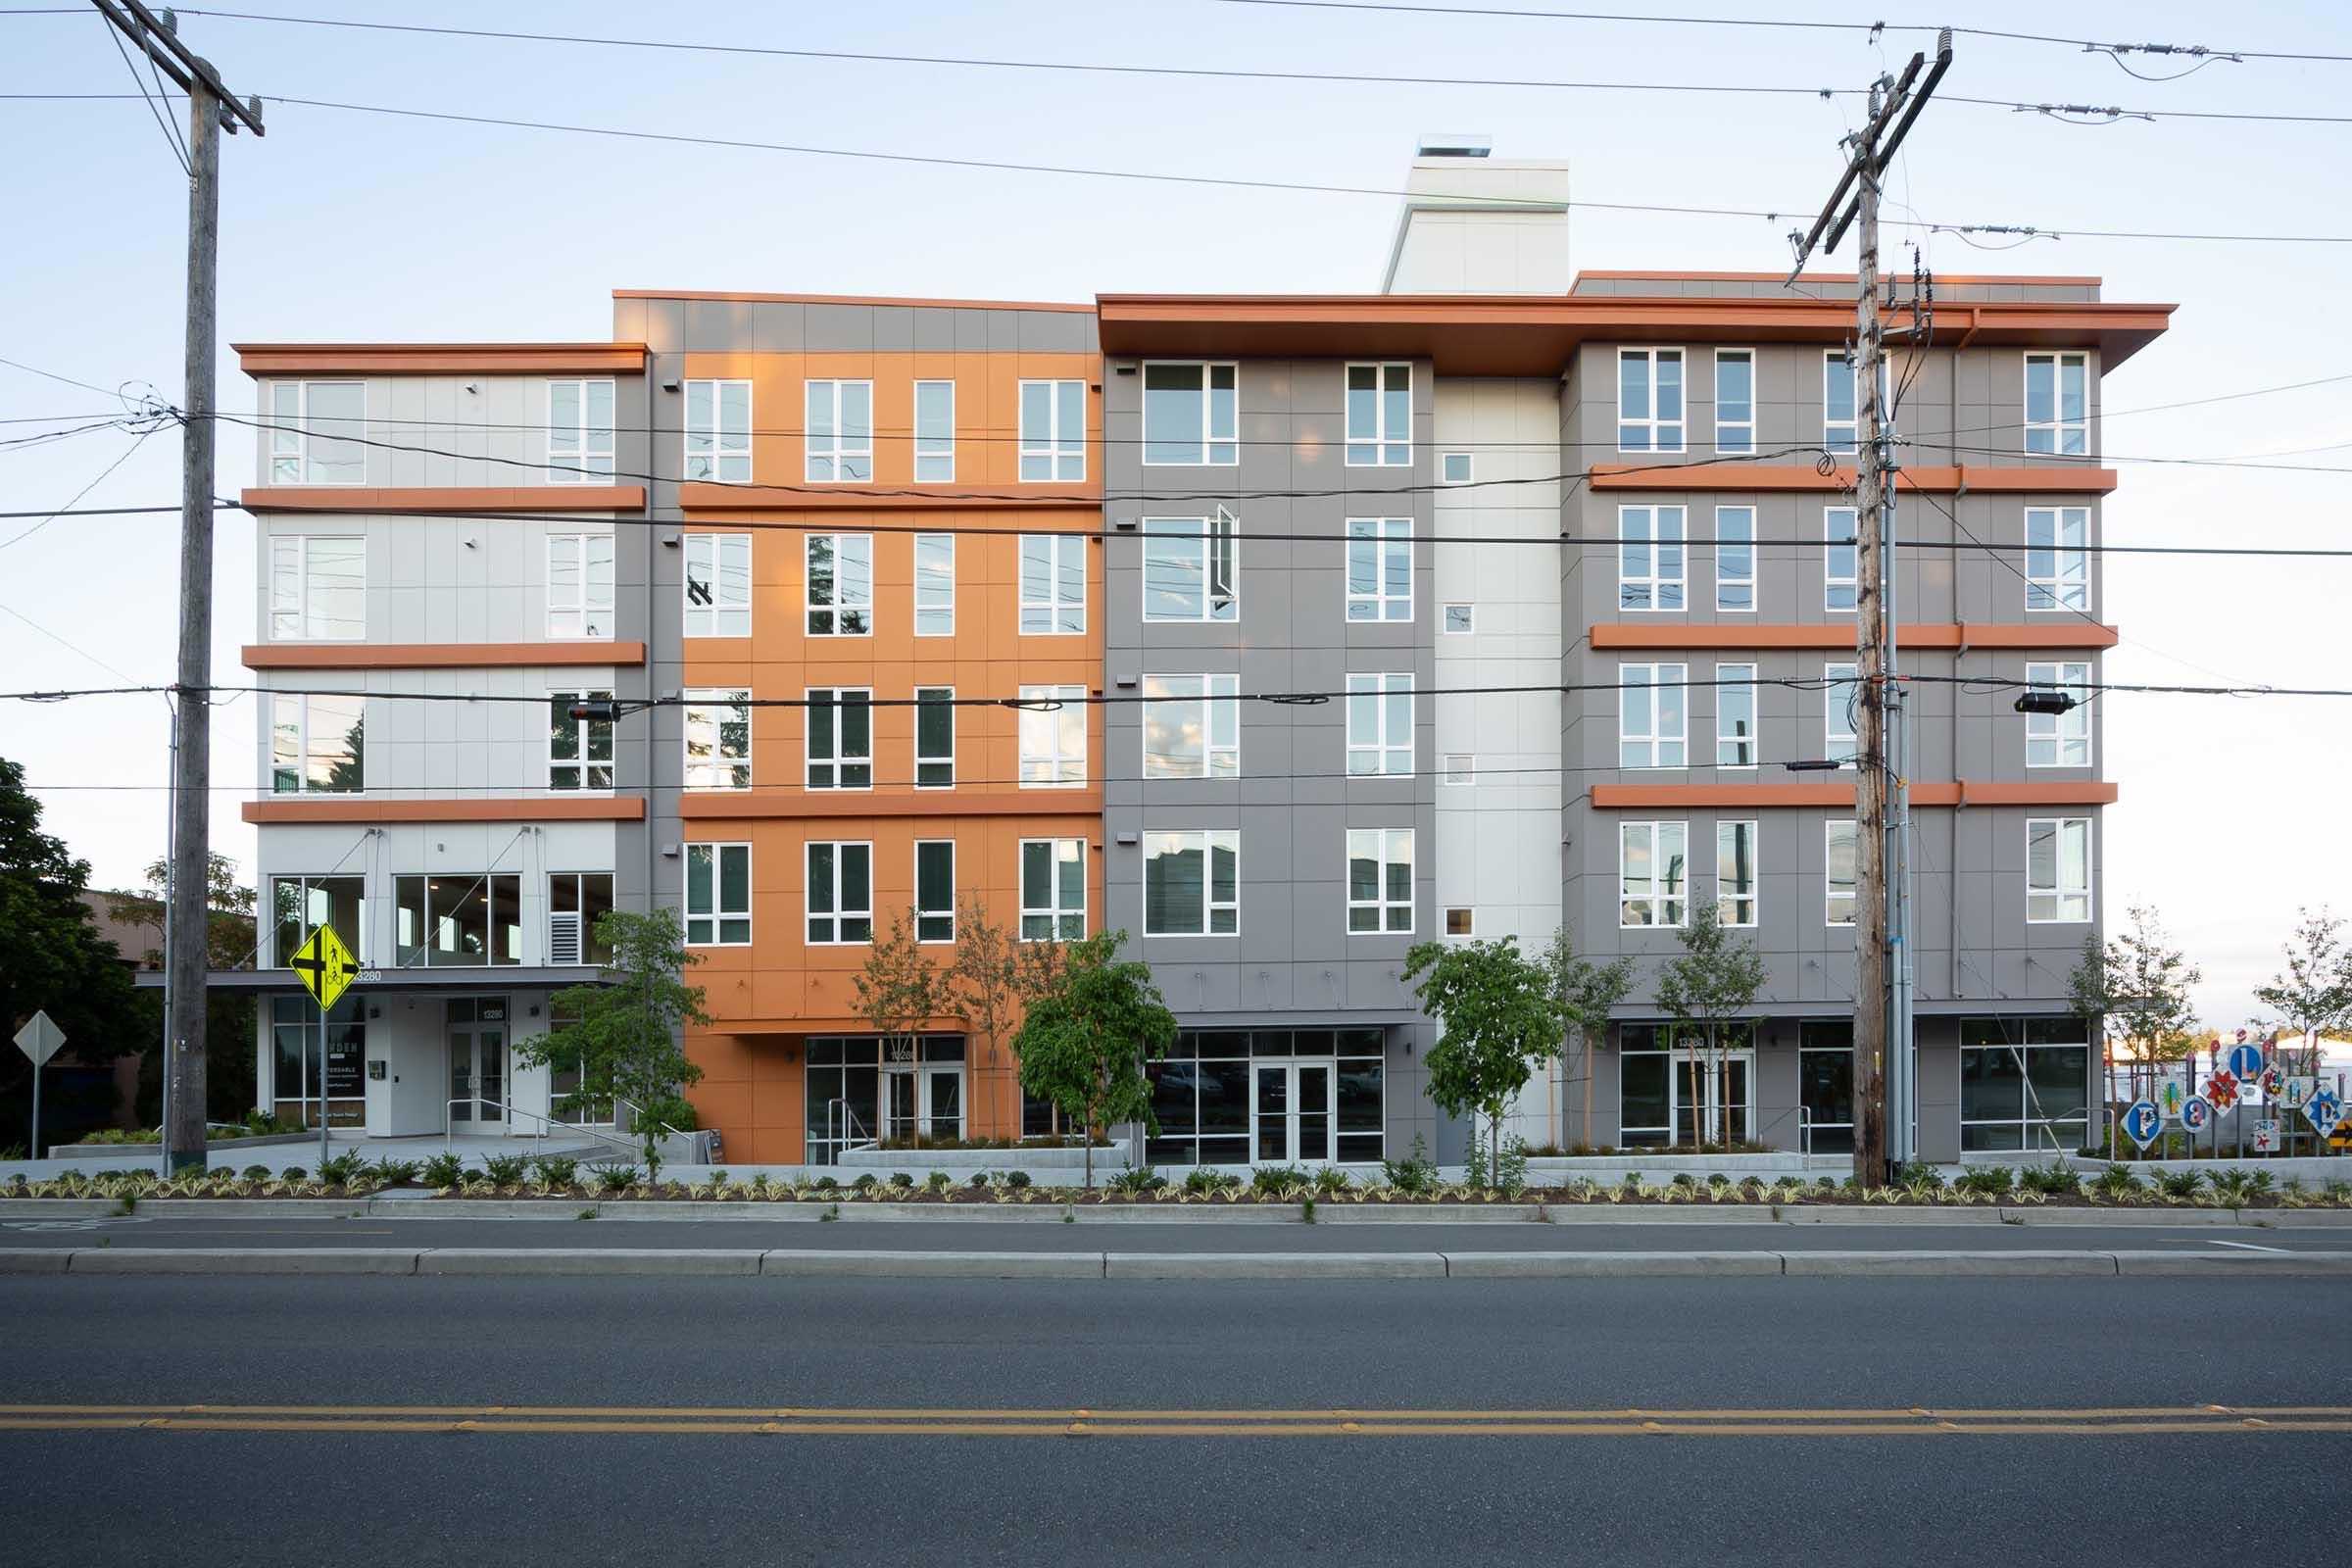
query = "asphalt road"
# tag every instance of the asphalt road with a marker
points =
(889, 1477)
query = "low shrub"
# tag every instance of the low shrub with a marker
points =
(2117, 1181)
(395, 1172)
(1990, 1181)
(293, 1173)
(866, 1182)
(1136, 1180)
(901, 1181)
(506, 1170)
(1201, 1181)
(255, 1173)
(1277, 1181)
(1016, 1179)
(828, 1184)
(614, 1177)
(939, 1181)
(1682, 1178)
(556, 1170)
(978, 1180)
(341, 1170)
(1414, 1174)
(444, 1171)
(1330, 1179)
(2057, 1179)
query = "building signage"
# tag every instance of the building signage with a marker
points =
(2197, 1114)
(2142, 1122)
(2266, 1137)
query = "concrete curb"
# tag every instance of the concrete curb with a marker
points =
(586, 1260)
(1606, 1265)
(34, 1259)
(2009, 1264)
(2210, 1265)
(1273, 1265)
(932, 1266)
(243, 1260)
(2161, 1218)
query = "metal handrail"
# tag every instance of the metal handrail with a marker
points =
(450, 1122)
(636, 1110)
(849, 1123)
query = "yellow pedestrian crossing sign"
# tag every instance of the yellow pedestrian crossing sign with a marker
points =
(326, 966)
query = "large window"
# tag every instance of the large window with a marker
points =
(1379, 415)
(301, 904)
(1735, 715)
(934, 737)
(1380, 726)
(1825, 1075)
(579, 432)
(934, 890)
(1735, 401)
(934, 432)
(579, 585)
(2024, 1085)
(841, 893)
(841, 738)
(1735, 878)
(1380, 880)
(1653, 872)
(576, 901)
(1841, 714)
(1670, 1095)
(718, 739)
(840, 433)
(841, 585)
(718, 585)
(1052, 432)
(2057, 870)
(312, 429)
(1649, 558)
(1380, 569)
(1838, 873)
(1190, 416)
(845, 1105)
(317, 588)
(1052, 737)
(1191, 726)
(1192, 883)
(718, 431)
(718, 895)
(2057, 559)
(1839, 586)
(934, 584)
(458, 922)
(1052, 584)
(1053, 890)
(1202, 1090)
(318, 745)
(295, 1038)
(2058, 403)
(1649, 399)
(1191, 568)
(1736, 558)
(1651, 700)
(579, 751)
(1840, 418)
(2059, 740)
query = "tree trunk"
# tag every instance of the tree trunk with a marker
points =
(1493, 1149)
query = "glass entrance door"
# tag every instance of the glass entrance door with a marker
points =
(898, 1103)
(478, 1061)
(922, 1102)
(1291, 1108)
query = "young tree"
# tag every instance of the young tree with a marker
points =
(1084, 1040)
(1496, 1017)
(2313, 998)
(898, 991)
(993, 977)
(1586, 993)
(2137, 988)
(231, 941)
(624, 1032)
(1714, 981)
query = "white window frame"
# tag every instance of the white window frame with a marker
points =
(1213, 450)
(838, 919)
(1045, 738)
(707, 928)
(1445, 625)
(1645, 592)
(1736, 684)
(1056, 914)
(1834, 585)
(1736, 437)
(587, 611)
(705, 719)
(2057, 436)
(2061, 581)
(1378, 447)
(1728, 898)
(839, 760)
(1645, 694)
(1830, 895)
(583, 734)
(1218, 536)
(1654, 896)
(934, 455)
(2057, 896)
(1840, 436)
(1731, 586)
(924, 934)
(1372, 754)
(934, 612)
(714, 453)
(300, 705)
(1208, 841)
(1651, 425)
(835, 454)
(2059, 740)
(1841, 744)
(723, 563)
(1056, 615)
(1217, 699)
(849, 612)
(1382, 846)
(1458, 769)
(1446, 463)
(1063, 456)
(581, 452)
(293, 442)
(922, 759)
(1380, 539)
(294, 550)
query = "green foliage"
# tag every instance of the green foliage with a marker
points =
(1136, 1180)
(1715, 978)
(1201, 1181)
(939, 1181)
(293, 1173)
(2139, 986)
(1497, 1017)
(828, 1184)
(978, 1180)
(1991, 1181)
(444, 1171)
(2057, 1179)
(993, 977)
(1016, 1179)
(898, 989)
(1330, 1179)
(506, 1170)
(901, 1181)
(2117, 1181)
(2179, 1183)
(2313, 996)
(613, 1177)
(1278, 1181)
(2234, 1187)
(1084, 1040)
(1918, 1177)
(255, 1173)
(556, 1170)
(341, 1170)
(1412, 1175)
(866, 1182)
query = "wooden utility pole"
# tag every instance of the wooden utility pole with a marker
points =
(187, 911)
(1893, 107)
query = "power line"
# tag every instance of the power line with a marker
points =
(136, 442)
(52, 375)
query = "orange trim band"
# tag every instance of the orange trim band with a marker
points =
(701, 496)
(732, 806)
(849, 299)
(2056, 480)
(1820, 278)
(2074, 633)
(439, 359)
(554, 809)
(2056, 792)
(446, 498)
(1967, 792)
(437, 656)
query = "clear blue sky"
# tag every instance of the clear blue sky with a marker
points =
(340, 225)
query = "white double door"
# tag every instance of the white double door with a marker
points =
(1714, 1099)
(1291, 1111)
(922, 1102)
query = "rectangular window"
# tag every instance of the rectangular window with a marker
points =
(934, 432)
(579, 751)
(841, 738)
(1460, 922)
(1840, 418)
(1461, 768)
(1734, 400)
(1736, 876)
(934, 737)
(2057, 561)
(841, 585)
(718, 895)
(1649, 558)
(1380, 880)
(718, 585)
(840, 433)
(1653, 872)
(1651, 728)
(934, 890)
(1191, 414)
(579, 432)
(1192, 883)
(301, 904)
(718, 740)
(934, 584)
(1380, 569)
(1380, 726)
(458, 922)
(1840, 587)
(317, 588)
(318, 745)
(1735, 715)
(2058, 403)
(1838, 873)
(576, 901)
(1455, 467)
(1053, 890)
(1736, 558)
(841, 893)
(718, 431)
(2057, 870)
(1052, 432)
(1379, 415)
(312, 426)
(1841, 714)
(1052, 737)
(1191, 568)
(1649, 399)
(579, 585)
(1825, 1086)
(1191, 726)
(2025, 1083)
(1461, 621)
(2059, 740)
(1052, 584)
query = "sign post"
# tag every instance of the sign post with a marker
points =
(39, 1040)
(326, 968)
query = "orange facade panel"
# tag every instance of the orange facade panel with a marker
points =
(445, 497)
(2074, 632)
(527, 809)
(438, 655)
